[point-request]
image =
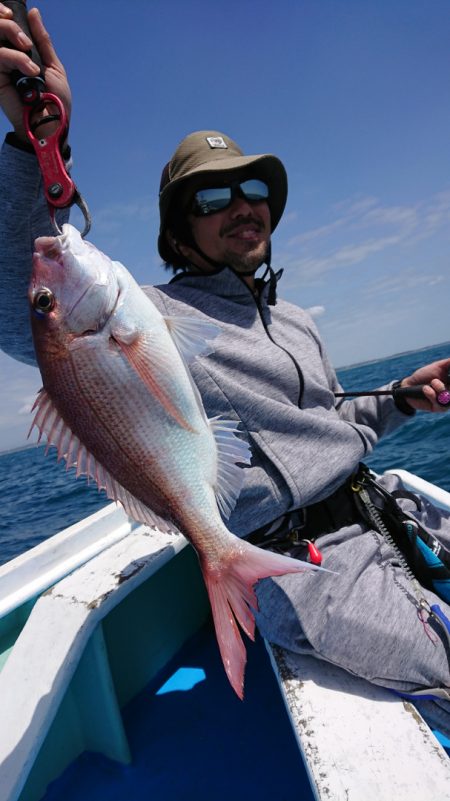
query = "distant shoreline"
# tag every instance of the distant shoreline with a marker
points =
(26, 447)
(339, 370)
(392, 356)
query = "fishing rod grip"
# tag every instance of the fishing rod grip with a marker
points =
(443, 398)
(409, 392)
(29, 88)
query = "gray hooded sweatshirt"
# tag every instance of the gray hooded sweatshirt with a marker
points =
(269, 369)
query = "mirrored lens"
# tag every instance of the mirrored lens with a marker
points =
(212, 199)
(254, 190)
(207, 201)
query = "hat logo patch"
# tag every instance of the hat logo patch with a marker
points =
(216, 141)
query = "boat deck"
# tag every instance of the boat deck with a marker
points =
(105, 650)
(175, 754)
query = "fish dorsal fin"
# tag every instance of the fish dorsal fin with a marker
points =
(49, 422)
(231, 450)
(192, 336)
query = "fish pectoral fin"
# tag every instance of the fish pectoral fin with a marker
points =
(49, 422)
(192, 336)
(147, 364)
(233, 600)
(231, 450)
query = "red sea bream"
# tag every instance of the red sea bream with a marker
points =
(119, 404)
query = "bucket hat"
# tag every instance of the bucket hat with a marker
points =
(204, 154)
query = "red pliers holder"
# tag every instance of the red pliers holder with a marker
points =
(59, 189)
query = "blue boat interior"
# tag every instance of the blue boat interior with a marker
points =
(192, 739)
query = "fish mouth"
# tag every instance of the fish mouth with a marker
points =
(53, 250)
(49, 247)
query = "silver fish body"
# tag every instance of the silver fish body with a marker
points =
(119, 404)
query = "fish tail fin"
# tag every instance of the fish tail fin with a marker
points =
(233, 600)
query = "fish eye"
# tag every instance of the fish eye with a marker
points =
(44, 301)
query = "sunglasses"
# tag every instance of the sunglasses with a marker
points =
(209, 201)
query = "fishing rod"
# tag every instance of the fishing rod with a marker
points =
(59, 188)
(397, 392)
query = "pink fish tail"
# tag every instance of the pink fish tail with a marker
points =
(233, 600)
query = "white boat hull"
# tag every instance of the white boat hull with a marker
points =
(105, 575)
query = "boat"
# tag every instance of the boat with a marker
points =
(111, 687)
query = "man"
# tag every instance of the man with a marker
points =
(268, 370)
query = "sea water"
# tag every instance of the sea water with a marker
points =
(39, 497)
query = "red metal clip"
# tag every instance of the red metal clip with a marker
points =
(58, 186)
(59, 189)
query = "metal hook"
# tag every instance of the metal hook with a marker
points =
(82, 205)
(79, 201)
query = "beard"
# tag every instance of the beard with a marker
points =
(247, 263)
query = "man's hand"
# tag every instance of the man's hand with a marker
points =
(434, 378)
(17, 59)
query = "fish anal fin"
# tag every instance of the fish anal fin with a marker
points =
(137, 510)
(192, 336)
(233, 599)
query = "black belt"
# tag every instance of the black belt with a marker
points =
(292, 532)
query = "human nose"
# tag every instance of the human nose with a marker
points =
(240, 207)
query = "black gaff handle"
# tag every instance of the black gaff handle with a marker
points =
(29, 88)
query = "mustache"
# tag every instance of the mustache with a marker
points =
(233, 226)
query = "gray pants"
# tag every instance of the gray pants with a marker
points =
(363, 617)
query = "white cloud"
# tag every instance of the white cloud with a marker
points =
(402, 280)
(365, 227)
(316, 311)
(355, 253)
(17, 395)
(380, 269)
(353, 206)
(352, 211)
(27, 405)
(290, 217)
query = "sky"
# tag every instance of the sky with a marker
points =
(352, 95)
